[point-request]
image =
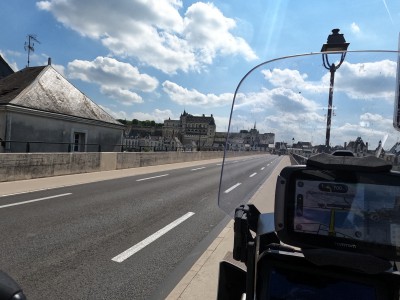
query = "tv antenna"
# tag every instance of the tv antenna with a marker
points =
(30, 44)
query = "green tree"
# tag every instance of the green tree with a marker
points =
(125, 122)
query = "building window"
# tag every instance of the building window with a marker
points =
(79, 142)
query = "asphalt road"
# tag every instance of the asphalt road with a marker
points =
(115, 239)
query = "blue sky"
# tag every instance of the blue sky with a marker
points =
(153, 59)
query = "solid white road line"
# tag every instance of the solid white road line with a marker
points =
(232, 188)
(152, 177)
(252, 175)
(198, 169)
(139, 246)
(34, 200)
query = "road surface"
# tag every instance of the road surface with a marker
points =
(116, 239)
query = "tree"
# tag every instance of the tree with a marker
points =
(135, 122)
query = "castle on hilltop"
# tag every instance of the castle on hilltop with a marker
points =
(189, 130)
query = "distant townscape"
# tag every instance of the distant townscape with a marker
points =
(41, 111)
(197, 133)
(191, 133)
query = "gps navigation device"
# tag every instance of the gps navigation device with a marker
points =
(336, 208)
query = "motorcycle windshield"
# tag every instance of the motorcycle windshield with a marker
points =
(288, 109)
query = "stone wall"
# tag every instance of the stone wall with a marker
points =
(21, 166)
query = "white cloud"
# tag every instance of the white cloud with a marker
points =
(123, 96)
(200, 20)
(97, 18)
(221, 123)
(290, 101)
(59, 68)
(156, 115)
(275, 99)
(12, 64)
(183, 96)
(373, 133)
(293, 79)
(371, 117)
(115, 114)
(303, 126)
(153, 31)
(284, 77)
(366, 80)
(118, 80)
(373, 120)
(112, 73)
(355, 28)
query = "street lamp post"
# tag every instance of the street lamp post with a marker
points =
(292, 145)
(335, 43)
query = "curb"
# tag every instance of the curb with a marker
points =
(199, 282)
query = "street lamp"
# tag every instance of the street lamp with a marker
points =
(335, 43)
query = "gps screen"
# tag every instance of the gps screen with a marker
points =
(358, 211)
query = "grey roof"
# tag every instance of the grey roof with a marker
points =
(5, 68)
(43, 88)
(199, 119)
(196, 119)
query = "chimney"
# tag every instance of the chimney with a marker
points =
(49, 61)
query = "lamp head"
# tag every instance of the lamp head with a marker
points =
(335, 42)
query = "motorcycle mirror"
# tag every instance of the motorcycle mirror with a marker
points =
(9, 288)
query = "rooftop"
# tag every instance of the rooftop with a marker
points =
(44, 89)
(5, 68)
